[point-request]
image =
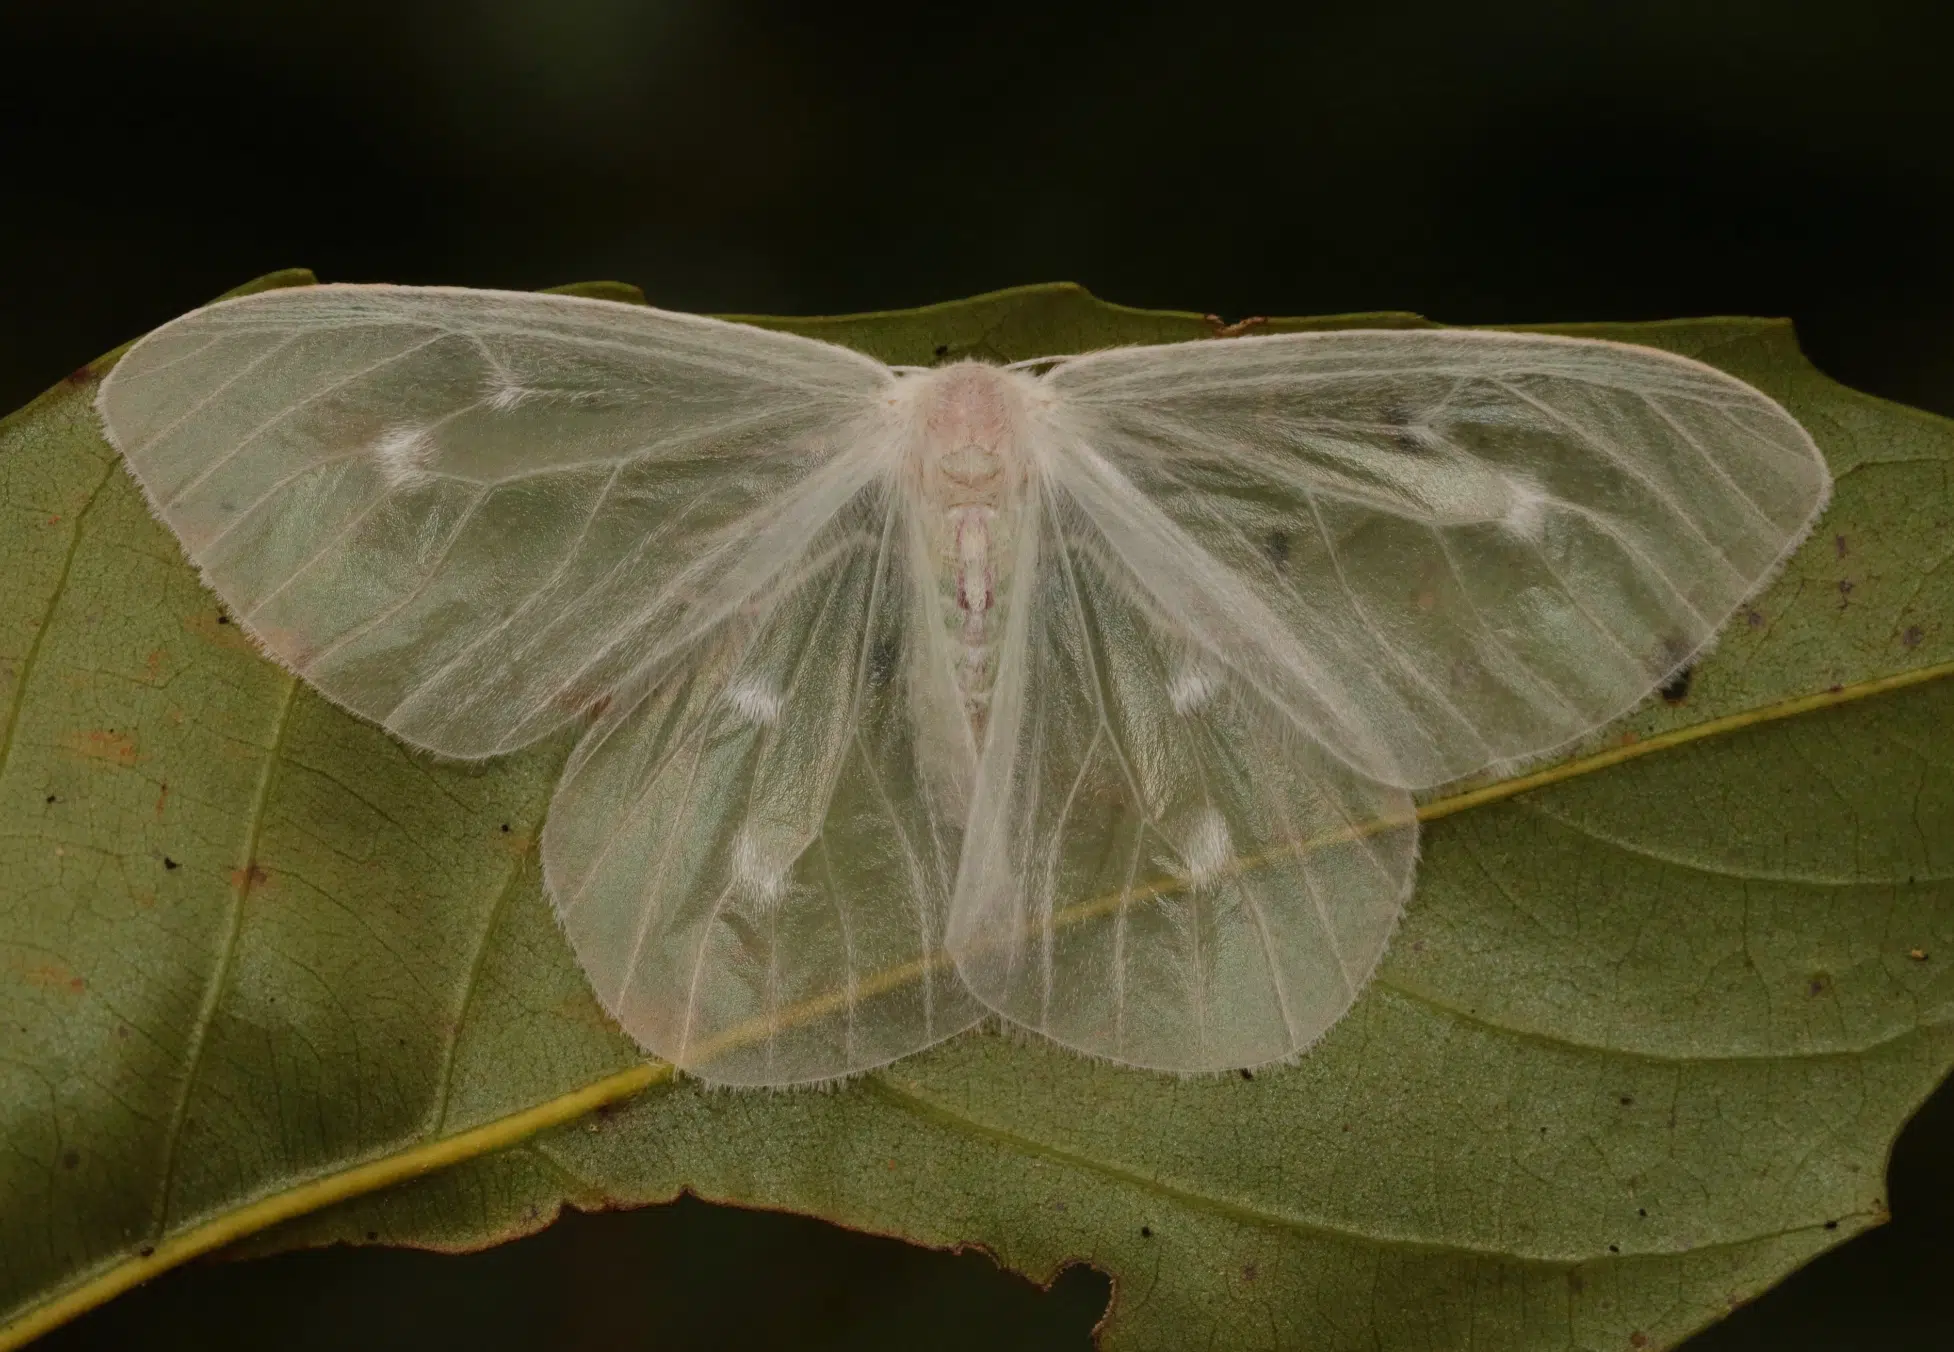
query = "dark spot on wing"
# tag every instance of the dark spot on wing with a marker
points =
(1247, 1074)
(1676, 689)
(883, 659)
(222, 618)
(1404, 428)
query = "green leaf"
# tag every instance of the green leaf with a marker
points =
(1644, 1038)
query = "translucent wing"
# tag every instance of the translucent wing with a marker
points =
(468, 515)
(1439, 550)
(474, 516)
(1164, 866)
(753, 857)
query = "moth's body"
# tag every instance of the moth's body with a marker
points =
(1211, 610)
(968, 469)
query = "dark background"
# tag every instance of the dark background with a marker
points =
(1477, 162)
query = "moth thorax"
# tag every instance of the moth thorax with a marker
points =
(971, 464)
(971, 424)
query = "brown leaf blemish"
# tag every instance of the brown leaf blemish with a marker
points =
(1911, 637)
(55, 977)
(102, 744)
(251, 876)
(1818, 984)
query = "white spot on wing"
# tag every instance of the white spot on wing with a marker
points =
(1525, 509)
(758, 875)
(505, 394)
(1208, 849)
(1192, 687)
(756, 700)
(401, 453)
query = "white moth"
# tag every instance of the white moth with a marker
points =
(1089, 692)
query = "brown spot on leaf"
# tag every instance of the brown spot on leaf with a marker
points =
(1676, 689)
(70, 1158)
(53, 976)
(81, 375)
(1638, 1339)
(1248, 1272)
(1911, 637)
(162, 797)
(1838, 545)
(1845, 590)
(1818, 984)
(101, 744)
(244, 879)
